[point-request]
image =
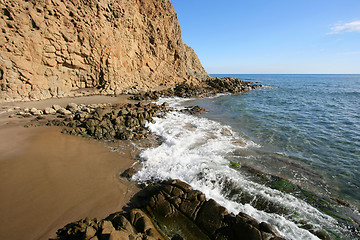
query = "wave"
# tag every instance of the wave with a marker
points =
(200, 151)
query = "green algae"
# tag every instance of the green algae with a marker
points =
(234, 164)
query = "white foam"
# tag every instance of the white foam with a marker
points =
(174, 102)
(195, 151)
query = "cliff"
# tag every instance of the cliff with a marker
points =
(56, 48)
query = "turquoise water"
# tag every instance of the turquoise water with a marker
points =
(308, 127)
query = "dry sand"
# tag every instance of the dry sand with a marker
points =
(64, 101)
(48, 179)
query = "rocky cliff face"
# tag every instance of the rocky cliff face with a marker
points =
(57, 48)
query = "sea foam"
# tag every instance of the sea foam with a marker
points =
(196, 150)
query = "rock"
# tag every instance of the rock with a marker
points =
(211, 216)
(119, 235)
(177, 237)
(70, 48)
(36, 112)
(49, 110)
(194, 110)
(244, 218)
(85, 109)
(101, 112)
(80, 116)
(72, 107)
(182, 185)
(107, 228)
(90, 232)
(161, 204)
(26, 114)
(56, 107)
(79, 230)
(124, 122)
(128, 173)
(246, 231)
(63, 111)
(203, 88)
(322, 235)
(119, 221)
(265, 227)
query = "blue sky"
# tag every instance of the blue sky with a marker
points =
(273, 36)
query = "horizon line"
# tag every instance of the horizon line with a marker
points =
(288, 73)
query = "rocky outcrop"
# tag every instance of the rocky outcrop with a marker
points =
(55, 48)
(127, 121)
(171, 210)
(205, 88)
(98, 121)
(123, 122)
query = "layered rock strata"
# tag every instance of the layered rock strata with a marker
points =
(55, 48)
(171, 210)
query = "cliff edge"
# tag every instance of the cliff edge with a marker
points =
(56, 48)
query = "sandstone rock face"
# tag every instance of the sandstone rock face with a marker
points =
(54, 48)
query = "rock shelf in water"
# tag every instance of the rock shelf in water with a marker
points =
(170, 210)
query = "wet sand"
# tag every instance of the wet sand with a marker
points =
(49, 179)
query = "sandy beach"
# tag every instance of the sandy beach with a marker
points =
(48, 179)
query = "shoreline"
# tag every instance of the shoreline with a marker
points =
(53, 178)
(114, 118)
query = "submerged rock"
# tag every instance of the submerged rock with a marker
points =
(194, 110)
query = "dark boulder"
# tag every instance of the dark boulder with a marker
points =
(172, 210)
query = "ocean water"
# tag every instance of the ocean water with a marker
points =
(304, 128)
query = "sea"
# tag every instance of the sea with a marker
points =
(303, 128)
